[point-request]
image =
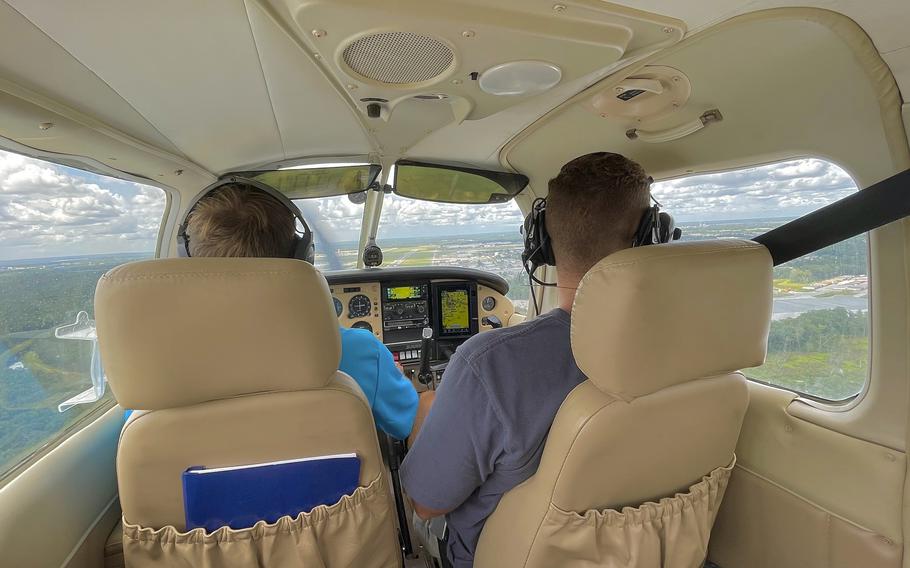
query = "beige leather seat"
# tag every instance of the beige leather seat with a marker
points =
(638, 457)
(233, 362)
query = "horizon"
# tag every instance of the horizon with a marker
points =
(380, 240)
(49, 210)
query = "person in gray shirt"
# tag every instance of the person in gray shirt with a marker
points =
(485, 431)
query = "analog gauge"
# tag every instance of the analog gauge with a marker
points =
(359, 307)
(338, 307)
(363, 325)
(489, 303)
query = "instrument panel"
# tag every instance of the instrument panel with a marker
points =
(396, 304)
(357, 306)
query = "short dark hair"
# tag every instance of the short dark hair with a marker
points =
(594, 207)
(241, 220)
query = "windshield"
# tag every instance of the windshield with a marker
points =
(485, 237)
(335, 222)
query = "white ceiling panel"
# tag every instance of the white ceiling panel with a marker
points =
(193, 70)
(885, 21)
(313, 118)
(33, 61)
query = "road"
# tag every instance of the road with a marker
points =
(792, 306)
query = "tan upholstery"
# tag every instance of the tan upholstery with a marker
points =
(659, 332)
(113, 548)
(163, 324)
(235, 362)
(762, 524)
(648, 318)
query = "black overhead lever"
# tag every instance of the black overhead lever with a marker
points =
(425, 374)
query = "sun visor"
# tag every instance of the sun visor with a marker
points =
(455, 184)
(317, 180)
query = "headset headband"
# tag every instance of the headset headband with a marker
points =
(303, 247)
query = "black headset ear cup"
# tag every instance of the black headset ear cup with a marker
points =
(305, 248)
(538, 248)
(644, 235)
(667, 228)
(546, 244)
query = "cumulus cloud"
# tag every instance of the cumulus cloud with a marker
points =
(51, 210)
(333, 219)
(787, 189)
(404, 217)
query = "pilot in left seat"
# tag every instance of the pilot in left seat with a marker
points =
(242, 220)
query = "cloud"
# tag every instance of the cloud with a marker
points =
(787, 189)
(52, 210)
(401, 216)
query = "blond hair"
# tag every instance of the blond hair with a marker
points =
(240, 220)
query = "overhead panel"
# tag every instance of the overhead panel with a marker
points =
(388, 53)
(411, 67)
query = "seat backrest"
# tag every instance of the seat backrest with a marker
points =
(227, 362)
(659, 332)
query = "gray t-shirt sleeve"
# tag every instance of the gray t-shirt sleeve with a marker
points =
(459, 444)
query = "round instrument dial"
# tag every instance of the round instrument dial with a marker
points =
(359, 306)
(488, 303)
(338, 306)
(363, 325)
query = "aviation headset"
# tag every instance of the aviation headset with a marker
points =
(656, 227)
(302, 248)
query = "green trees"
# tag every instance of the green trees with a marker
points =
(824, 353)
(817, 331)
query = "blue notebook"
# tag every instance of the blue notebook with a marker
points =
(240, 496)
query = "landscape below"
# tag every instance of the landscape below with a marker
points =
(818, 342)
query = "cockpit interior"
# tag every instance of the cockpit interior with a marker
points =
(729, 388)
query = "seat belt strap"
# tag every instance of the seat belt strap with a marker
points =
(870, 208)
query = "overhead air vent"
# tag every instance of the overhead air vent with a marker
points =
(398, 58)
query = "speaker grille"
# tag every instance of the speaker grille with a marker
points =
(398, 58)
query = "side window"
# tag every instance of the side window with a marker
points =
(60, 230)
(819, 339)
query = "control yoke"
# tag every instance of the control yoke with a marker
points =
(425, 374)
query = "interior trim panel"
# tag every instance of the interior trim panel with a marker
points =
(805, 496)
(354, 276)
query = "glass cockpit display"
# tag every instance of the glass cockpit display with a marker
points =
(406, 292)
(455, 310)
(453, 305)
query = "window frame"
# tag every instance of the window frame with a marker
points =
(19, 467)
(853, 401)
(810, 399)
(166, 226)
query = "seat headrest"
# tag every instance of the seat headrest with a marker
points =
(651, 317)
(181, 331)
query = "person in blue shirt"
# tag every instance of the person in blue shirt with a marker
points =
(238, 219)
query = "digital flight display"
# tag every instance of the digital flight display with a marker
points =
(406, 293)
(454, 311)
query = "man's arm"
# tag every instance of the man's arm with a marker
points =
(424, 403)
(457, 447)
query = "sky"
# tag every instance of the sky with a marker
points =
(787, 189)
(50, 210)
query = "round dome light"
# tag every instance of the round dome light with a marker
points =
(519, 78)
